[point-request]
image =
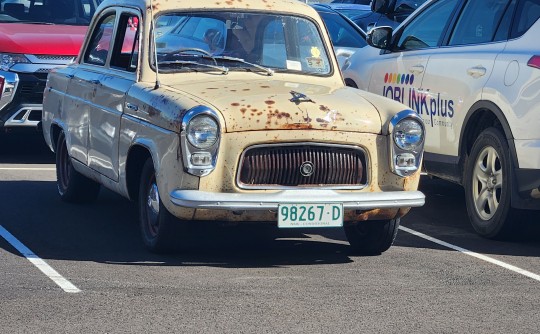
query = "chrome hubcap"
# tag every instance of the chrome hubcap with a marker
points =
(152, 204)
(487, 183)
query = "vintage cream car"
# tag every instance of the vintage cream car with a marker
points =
(236, 113)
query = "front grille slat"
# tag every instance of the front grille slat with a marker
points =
(281, 166)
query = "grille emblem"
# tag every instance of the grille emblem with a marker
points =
(307, 169)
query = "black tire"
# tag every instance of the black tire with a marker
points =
(158, 226)
(488, 185)
(73, 187)
(372, 237)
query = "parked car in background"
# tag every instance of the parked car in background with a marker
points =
(193, 133)
(357, 2)
(350, 10)
(471, 70)
(387, 13)
(346, 36)
(36, 36)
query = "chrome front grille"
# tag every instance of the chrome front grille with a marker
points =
(302, 165)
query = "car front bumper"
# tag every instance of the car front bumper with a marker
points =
(196, 199)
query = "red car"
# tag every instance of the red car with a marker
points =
(36, 36)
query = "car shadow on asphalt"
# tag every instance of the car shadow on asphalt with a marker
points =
(25, 148)
(106, 231)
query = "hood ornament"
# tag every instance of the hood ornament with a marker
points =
(299, 98)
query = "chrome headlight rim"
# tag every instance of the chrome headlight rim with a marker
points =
(192, 134)
(406, 144)
(403, 116)
(399, 154)
(199, 160)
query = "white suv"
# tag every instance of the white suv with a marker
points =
(471, 70)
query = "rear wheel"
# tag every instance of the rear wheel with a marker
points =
(73, 187)
(488, 182)
(158, 225)
(372, 237)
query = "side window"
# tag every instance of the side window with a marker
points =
(126, 47)
(478, 22)
(100, 43)
(503, 31)
(426, 29)
(527, 13)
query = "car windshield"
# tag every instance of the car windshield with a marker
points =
(66, 12)
(239, 42)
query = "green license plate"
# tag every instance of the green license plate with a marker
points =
(310, 215)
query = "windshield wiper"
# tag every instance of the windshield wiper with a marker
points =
(268, 71)
(223, 69)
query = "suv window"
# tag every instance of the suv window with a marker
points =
(99, 45)
(472, 28)
(527, 13)
(427, 28)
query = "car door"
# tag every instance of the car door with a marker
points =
(83, 87)
(458, 71)
(398, 72)
(116, 79)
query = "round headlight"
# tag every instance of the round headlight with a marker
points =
(408, 134)
(202, 131)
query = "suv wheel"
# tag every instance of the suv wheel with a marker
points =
(156, 222)
(488, 184)
(73, 187)
(372, 237)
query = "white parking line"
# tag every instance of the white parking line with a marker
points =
(29, 168)
(63, 283)
(471, 253)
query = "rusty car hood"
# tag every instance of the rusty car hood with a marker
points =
(278, 105)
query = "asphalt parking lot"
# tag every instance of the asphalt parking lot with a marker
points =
(82, 268)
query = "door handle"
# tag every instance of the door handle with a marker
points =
(95, 82)
(477, 71)
(132, 106)
(69, 76)
(417, 69)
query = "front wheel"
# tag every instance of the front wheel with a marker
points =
(157, 224)
(372, 237)
(487, 183)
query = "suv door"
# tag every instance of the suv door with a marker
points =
(398, 73)
(459, 69)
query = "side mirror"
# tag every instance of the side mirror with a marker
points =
(379, 37)
(380, 6)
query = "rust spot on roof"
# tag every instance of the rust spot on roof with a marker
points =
(265, 86)
(235, 104)
(243, 110)
(269, 102)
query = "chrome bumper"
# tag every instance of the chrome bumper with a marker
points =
(269, 201)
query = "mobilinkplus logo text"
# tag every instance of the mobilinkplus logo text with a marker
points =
(398, 87)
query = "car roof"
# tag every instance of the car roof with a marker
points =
(287, 6)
